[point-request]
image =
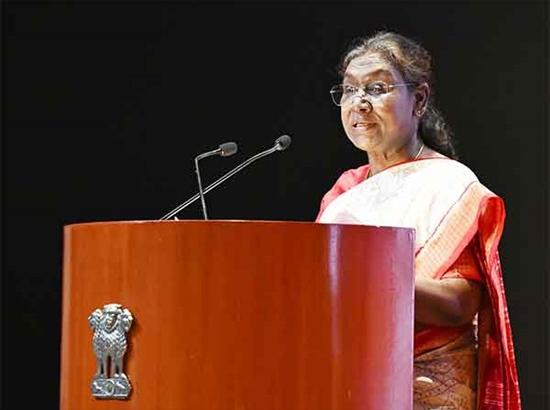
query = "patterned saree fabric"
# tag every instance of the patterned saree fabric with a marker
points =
(458, 224)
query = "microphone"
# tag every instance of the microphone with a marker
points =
(281, 144)
(224, 150)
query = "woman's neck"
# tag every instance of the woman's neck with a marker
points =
(380, 160)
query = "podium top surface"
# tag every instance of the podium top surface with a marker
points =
(231, 222)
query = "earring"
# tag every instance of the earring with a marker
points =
(419, 112)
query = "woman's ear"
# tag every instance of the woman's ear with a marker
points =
(421, 95)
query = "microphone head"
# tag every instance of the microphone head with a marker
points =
(282, 142)
(228, 148)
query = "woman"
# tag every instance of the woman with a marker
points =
(463, 351)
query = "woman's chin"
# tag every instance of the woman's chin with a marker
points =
(363, 141)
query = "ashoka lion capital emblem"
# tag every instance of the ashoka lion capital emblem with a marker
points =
(110, 326)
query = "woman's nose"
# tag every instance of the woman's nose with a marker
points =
(361, 103)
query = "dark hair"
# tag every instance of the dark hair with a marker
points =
(415, 65)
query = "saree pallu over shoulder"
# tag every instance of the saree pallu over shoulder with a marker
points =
(416, 194)
(448, 207)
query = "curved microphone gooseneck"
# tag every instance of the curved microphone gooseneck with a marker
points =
(225, 150)
(281, 144)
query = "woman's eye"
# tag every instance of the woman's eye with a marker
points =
(349, 89)
(376, 89)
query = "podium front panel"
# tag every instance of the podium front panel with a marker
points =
(244, 314)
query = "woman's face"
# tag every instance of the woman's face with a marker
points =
(391, 123)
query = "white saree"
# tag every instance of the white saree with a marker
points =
(440, 198)
(415, 194)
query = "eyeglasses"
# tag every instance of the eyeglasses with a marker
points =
(343, 94)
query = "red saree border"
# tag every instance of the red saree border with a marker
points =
(498, 372)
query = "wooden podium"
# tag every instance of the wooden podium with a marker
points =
(243, 315)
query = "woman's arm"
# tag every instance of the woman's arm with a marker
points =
(446, 302)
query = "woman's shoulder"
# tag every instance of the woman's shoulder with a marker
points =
(359, 172)
(353, 176)
(447, 168)
(347, 180)
(445, 175)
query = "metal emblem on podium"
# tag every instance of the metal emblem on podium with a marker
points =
(110, 326)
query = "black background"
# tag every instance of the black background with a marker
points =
(106, 105)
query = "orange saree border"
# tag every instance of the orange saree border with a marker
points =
(452, 235)
(479, 211)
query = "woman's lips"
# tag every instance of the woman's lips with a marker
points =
(363, 125)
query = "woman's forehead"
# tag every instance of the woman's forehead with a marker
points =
(370, 65)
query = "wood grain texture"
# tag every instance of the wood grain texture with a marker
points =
(244, 314)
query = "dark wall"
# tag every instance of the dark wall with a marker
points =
(106, 105)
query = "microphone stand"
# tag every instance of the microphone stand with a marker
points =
(201, 193)
(214, 184)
